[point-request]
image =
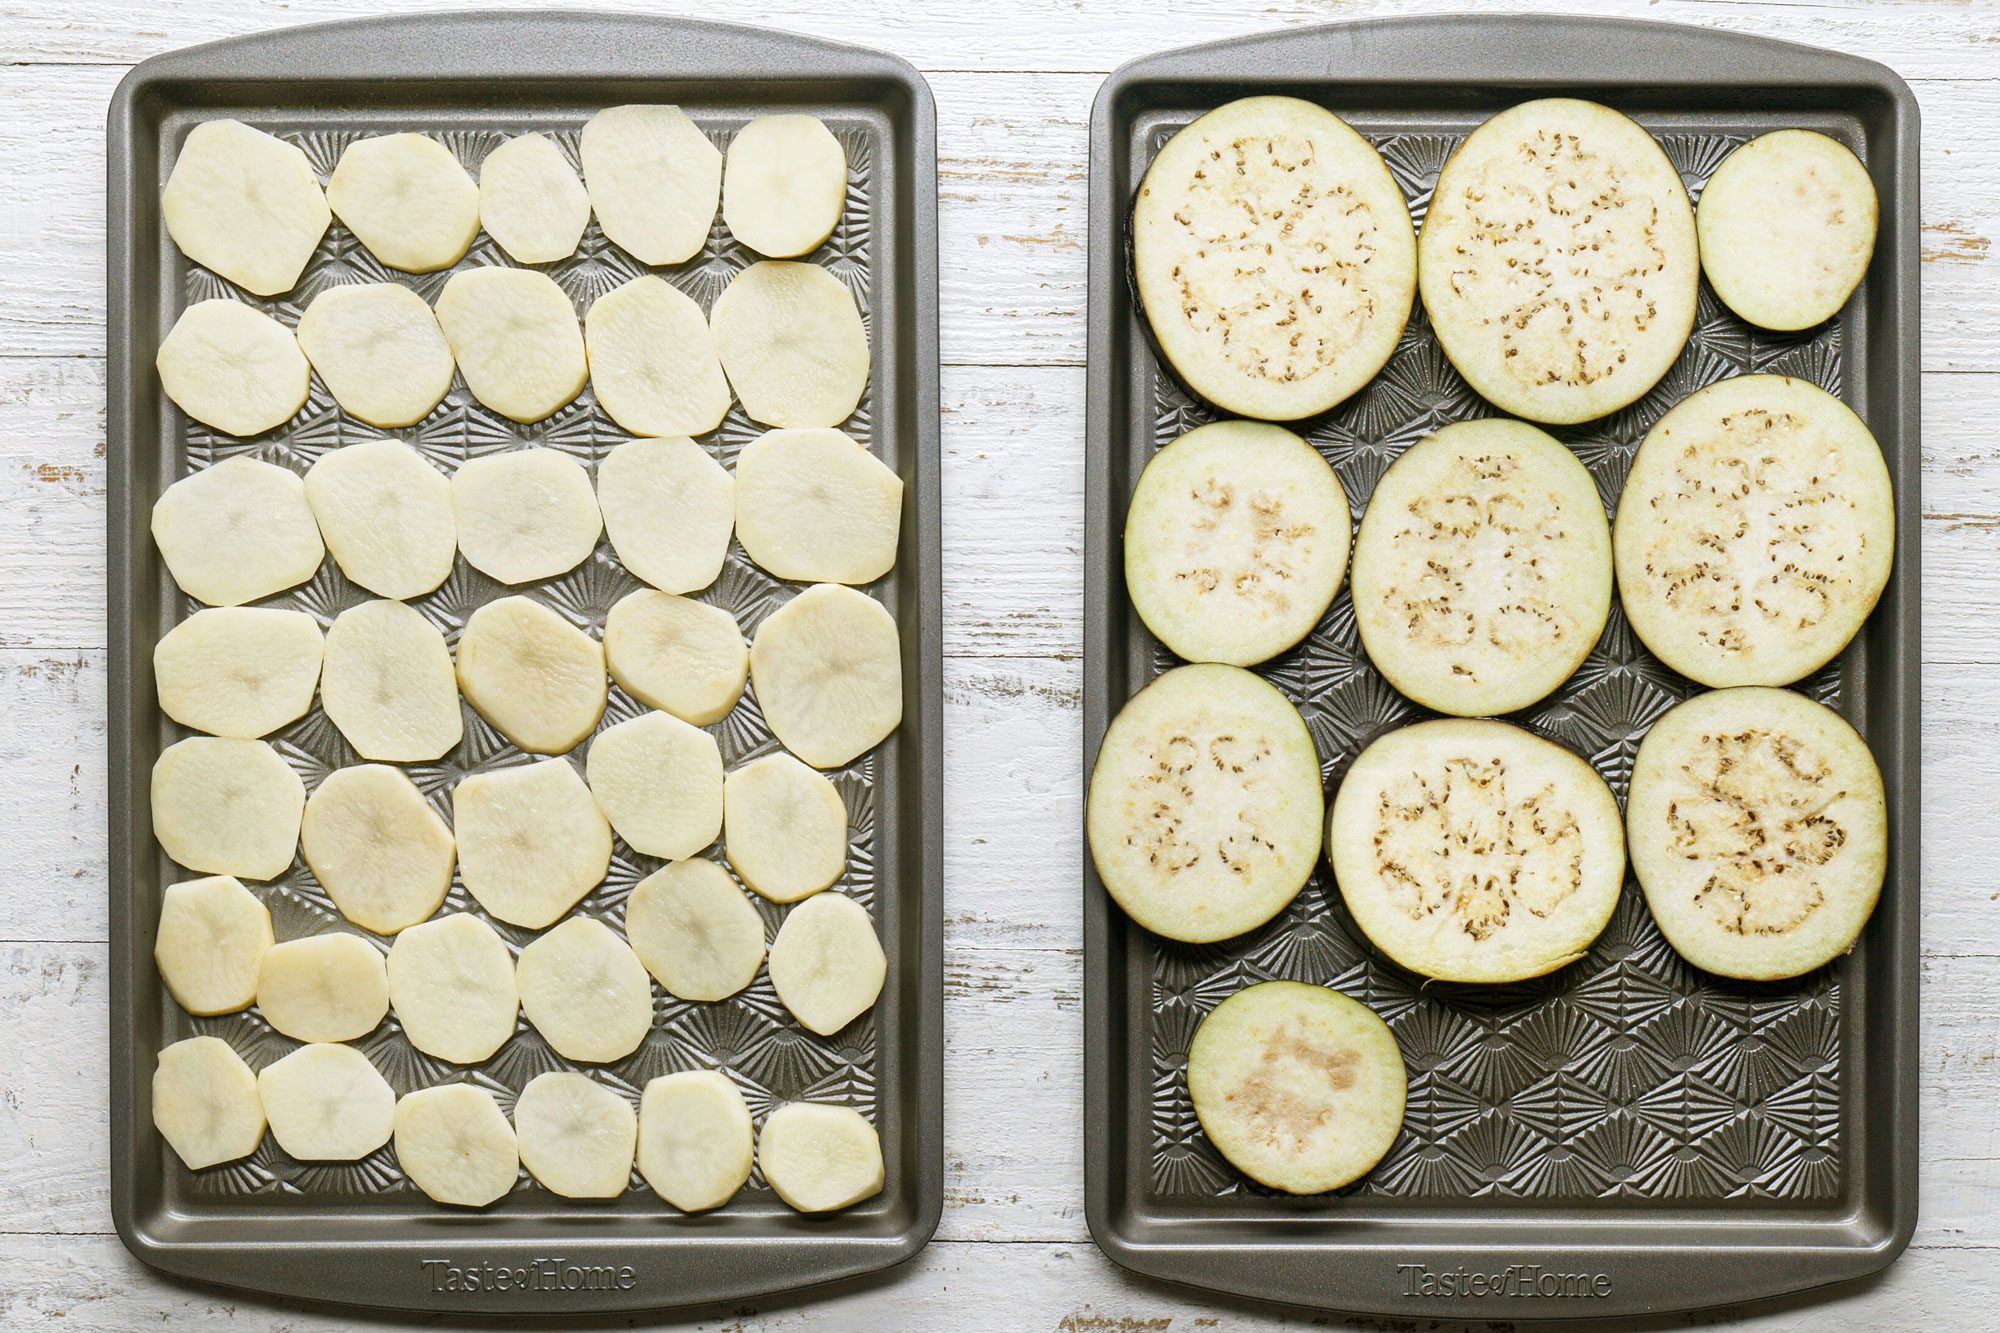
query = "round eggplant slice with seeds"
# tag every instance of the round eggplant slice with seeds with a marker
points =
(1476, 851)
(1236, 542)
(1300, 1087)
(1205, 804)
(1787, 227)
(1273, 254)
(1755, 532)
(1558, 261)
(1482, 575)
(1759, 832)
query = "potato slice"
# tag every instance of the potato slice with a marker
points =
(695, 931)
(669, 509)
(784, 182)
(815, 506)
(694, 1139)
(525, 515)
(585, 991)
(1476, 851)
(454, 1143)
(532, 674)
(205, 1102)
(1235, 542)
(1205, 804)
(531, 841)
(792, 343)
(671, 653)
(827, 964)
(329, 987)
(1272, 252)
(653, 178)
(386, 515)
(515, 337)
(376, 847)
(210, 944)
(233, 367)
(380, 350)
(237, 670)
(245, 205)
(451, 983)
(1755, 533)
(1558, 261)
(327, 1103)
(407, 199)
(227, 806)
(1482, 575)
(652, 362)
(1759, 832)
(820, 1158)
(828, 671)
(659, 782)
(387, 684)
(237, 532)
(1300, 1087)
(1787, 227)
(530, 200)
(577, 1136)
(784, 828)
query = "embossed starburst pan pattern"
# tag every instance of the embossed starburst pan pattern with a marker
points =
(1627, 1074)
(751, 1039)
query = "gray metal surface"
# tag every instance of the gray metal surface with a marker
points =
(1629, 1134)
(359, 1232)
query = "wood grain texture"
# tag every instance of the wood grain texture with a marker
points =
(1013, 81)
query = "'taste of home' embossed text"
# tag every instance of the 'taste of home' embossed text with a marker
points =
(535, 1275)
(1520, 1281)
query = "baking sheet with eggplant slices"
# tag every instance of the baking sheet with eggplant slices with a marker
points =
(359, 1232)
(1627, 1134)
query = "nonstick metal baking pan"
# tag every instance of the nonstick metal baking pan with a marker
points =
(359, 1232)
(1630, 1134)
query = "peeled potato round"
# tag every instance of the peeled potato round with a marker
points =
(227, 806)
(454, 1143)
(233, 367)
(525, 515)
(653, 178)
(828, 670)
(515, 337)
(387, 684)
(820, 1158)
(827, 964)
(694, 1139)
(386, 515)
(669, 509)
(682, 656)
(792, 343)
(205, 1103)
(652, 361)
(577, 1136)
(237, 532)
(380, 350)
(238, 670)
(330, 987)
(585, 991)
(530, 200)
(659, 781)
(327, 1103)
(210, 944)
(537, 678)
(815, 506)
(376, 847)
(784, 180)
(451, 983)
(784, 828)
(407, 199)
(531, 840)
(245, 205)
(695, 931)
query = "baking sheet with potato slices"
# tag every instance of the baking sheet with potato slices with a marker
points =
(361, 1231)
(1627, 1133)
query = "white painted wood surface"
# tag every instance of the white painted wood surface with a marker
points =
(1013, 79)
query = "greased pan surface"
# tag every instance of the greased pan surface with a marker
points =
(1628, 1134)
(359, 1232)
